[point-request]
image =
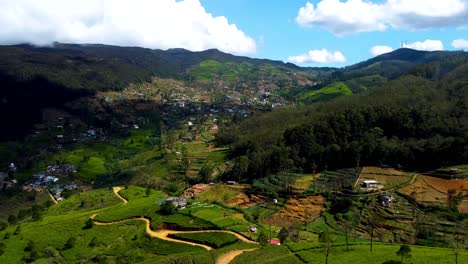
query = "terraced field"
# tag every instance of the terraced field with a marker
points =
(432, 190)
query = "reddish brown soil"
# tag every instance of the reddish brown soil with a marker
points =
(196, 190)
(297, 211)
(434, 190)
(242, 200)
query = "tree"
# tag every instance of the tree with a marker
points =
(3, 225)
(167, 208)
(88, 224)
(93, 242)
(12, 219)
(262, 238)
(206, 171)
(404, 252)
(373, 220)
(346, 227)
(36, 212)
(148, 191)
(70, 243)
(30, 246)
(327, 238)
(283, 235)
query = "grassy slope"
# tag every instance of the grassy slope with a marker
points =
(328, 92)
(138, 204)
(381, 253)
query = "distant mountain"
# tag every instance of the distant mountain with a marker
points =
(34, 78)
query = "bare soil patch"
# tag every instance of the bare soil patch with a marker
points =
(298, 210)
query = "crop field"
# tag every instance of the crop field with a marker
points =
(212, 239)
(139, 204)
(180, 221)
(85, 201)
(303, 183)
(463, 207)
(432, 190)
(380, 254)
(297, 211)
(388, 177)
(220, 217)
(335, 180)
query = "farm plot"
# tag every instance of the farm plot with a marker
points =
(335, 180)
(298, 211)
(432, 190)
(388, 177)
(139, 204)
(212, 239)
(303, 183)
(230, 196)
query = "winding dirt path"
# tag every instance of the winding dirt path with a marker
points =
(164, 233)
(228, 257)
(116, 192)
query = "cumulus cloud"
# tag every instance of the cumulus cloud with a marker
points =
(427, 45)
(460, 44)
(354, 16)
(318, 56)
(379, 50)
(149, 23)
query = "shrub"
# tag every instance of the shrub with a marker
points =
(167, 208)
(70, 243)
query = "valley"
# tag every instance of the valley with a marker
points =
(215, 158)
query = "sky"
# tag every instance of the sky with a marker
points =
(323, 33)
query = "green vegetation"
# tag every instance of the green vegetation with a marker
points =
(139, 204)
(212, 239)
(380, 254)
(326, 93)
(268, 254)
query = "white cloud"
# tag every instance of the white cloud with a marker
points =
(354, 16)
(149, 23)
(460, 44)
(379, 50)
(427, 45)
(318, 56)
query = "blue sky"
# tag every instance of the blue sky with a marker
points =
(273, 24)
(309, 33)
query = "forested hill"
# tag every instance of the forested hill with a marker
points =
(35, 78)
(414, 122)
(103, 67)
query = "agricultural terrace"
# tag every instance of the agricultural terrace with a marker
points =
(434, 191)
(335, 180)
(390, 178)
(298, 210)
(212, 239)
(303, 183)
(229, 195)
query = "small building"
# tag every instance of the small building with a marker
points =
(231, 182)
(178, 202)
(385, 200)
(369, 184)
(275, 241)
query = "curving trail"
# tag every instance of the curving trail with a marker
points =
(116, 192)
(228, 257)
(164, 233)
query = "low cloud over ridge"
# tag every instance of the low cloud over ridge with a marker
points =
(159, 24)
(318, 56)
(354, 16)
